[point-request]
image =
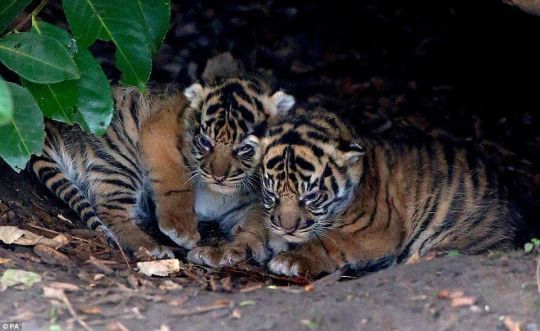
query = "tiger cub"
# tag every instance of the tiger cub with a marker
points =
(333, 198)
(165, 151)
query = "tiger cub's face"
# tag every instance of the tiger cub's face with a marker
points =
(223, 118)
(310, 170)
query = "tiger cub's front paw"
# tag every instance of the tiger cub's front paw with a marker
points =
(136, 243)
(182, 229)
(294, 264)
(157, 251)
(224, 256)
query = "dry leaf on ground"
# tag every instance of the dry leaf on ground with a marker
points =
(51, 256)
(511, 325)
(159, 267)
(14, 235)
(116, 326)
(457, 298)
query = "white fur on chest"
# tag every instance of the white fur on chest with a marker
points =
(210, 205)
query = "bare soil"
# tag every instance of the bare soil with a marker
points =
(451, 69)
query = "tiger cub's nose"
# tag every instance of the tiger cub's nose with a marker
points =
(288, 226)
(218, 178)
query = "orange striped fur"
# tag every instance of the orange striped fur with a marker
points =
(151, 157)
(333, 198)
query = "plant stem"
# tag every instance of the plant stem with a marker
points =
(34, 13)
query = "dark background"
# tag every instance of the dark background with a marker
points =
(466, 71)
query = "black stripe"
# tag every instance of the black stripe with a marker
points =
(304, 164)
(47, 173)
(271, 164)
(133, 110)
(370, 221)
(78, 198)
(246, 113)
(67, 197)
(119, 183)
(212, 109)
(317, 136)
(124, 200)
(115, 148)
(57, 184)
(235, 209)
(81, 206)
(113, 206)
(171, 192)
(424, 225)
(106, 157)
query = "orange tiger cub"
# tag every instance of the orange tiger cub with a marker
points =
(332, 198)
(180, 158)
(347, 200)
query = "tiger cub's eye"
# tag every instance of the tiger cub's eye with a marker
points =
(244, 150)
(204, 143)
(270, 198)
(310, 198)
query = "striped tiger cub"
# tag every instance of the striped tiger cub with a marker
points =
(333, 198)
(163, 154)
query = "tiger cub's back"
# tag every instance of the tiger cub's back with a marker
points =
(451, 197)
(356, 199)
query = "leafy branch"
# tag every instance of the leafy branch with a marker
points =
(59, 77)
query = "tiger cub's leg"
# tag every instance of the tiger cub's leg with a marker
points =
(112, 218)
(252, 240)
(174, 197)
(121, 226)
(331, 252)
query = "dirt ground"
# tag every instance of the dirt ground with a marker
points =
(447, 69)
(500, 289)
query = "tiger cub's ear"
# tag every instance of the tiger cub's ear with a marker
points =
(352, 152)
(195, 94)
(281, 103)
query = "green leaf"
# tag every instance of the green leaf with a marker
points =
(157, 15)
(9, 10)
(38, 58)
(536, 242)
(122, 23)
(61, 35)
(12, 277)
(24, 134)
(528, 247)
(92, 93)
(95, 105)
(244, 303)
(312, 325)
(57, 101)
(6, 104)
(85, 23)
(454, 253)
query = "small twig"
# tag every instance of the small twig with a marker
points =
(74, 313)
(125, 258)
(200, 309)
(74, 237)
(34, 13)
(101, 265)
